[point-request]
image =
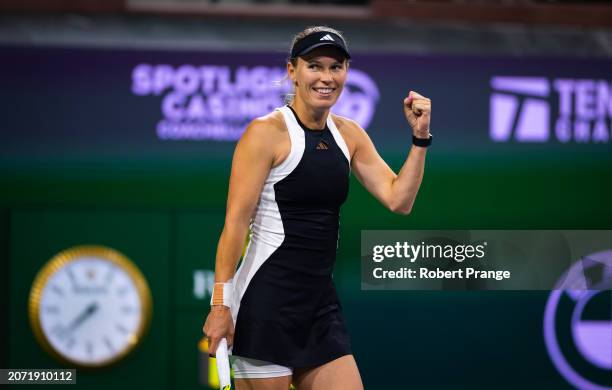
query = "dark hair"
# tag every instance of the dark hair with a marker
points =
(310, 30)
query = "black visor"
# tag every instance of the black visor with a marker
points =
(318, 39)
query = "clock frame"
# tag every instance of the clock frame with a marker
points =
(64, 258)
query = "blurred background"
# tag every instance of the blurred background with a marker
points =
(119, 120)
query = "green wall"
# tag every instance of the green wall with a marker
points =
(167, 215)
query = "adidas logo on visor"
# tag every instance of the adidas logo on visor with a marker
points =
(327, 38)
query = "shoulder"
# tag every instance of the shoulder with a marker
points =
(265, 130)
(348, 126)
(271, 124)
(350, 130)
(267, 137)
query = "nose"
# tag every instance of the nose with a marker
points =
(326, 77)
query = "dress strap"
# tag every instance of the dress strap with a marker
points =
(338, 138)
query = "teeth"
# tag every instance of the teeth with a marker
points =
(324, 90)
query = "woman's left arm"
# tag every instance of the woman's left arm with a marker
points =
(396, 192)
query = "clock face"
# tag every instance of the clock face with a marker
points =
(91, 309)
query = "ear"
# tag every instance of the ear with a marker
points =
(291, 72)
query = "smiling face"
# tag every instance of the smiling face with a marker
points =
(319, 77)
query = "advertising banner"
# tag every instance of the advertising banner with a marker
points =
(142, 102)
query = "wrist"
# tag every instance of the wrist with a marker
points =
(222, 294)
(424, 134)
(422, 140)
(222, 308)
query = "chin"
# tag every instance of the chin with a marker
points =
(324, 103)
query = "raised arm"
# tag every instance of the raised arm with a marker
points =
(252, 161)
(396, 192)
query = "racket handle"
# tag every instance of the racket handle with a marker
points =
(223, 367)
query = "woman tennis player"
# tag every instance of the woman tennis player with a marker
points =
(290, 174)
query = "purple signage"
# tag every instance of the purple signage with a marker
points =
(523, 108)
(578, 323)
(216, 102)
(135, 101)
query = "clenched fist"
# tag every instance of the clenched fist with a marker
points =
(417, 109)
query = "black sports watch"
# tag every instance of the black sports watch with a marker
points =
(424, 142)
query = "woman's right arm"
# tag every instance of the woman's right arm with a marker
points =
(253, 158)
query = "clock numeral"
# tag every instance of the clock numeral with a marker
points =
(70, 343)
(59, 331)
(91, 273)
(122, 329)
(57, 290)
(110, 275)
(127, 310)
(108, 343)
(51, 309)
(71, 275)
(121, 291)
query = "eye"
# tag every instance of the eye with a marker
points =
(313, 66)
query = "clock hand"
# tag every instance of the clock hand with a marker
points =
(85, 314)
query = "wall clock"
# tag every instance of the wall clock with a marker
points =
(90, 306)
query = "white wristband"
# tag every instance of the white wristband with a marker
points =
(222, 294)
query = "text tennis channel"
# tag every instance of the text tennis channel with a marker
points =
(434, 252)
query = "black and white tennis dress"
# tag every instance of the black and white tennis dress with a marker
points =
(285, 307)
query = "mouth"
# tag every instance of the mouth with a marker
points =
(324, 91)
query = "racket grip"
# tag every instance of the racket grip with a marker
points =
(223, 367)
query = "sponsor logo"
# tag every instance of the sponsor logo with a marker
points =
(578, 323)
(359, 98)
(536, 109)
(212, 102)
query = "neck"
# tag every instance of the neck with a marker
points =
(312, 118)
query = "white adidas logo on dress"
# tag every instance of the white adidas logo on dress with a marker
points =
(327, 38)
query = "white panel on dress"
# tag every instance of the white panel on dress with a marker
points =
(267, 233)
(338, 138)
